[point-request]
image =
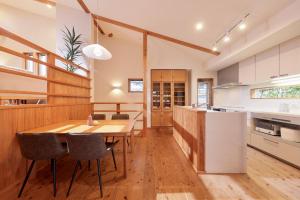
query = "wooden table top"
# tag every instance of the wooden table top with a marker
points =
(107, 127)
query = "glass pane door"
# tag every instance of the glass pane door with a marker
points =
(156, 96)
(167, 96)
(179, 94)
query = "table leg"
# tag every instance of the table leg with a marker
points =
(125, 155)
(131, 141)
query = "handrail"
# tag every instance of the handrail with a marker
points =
(117, 102)
(26, 42)
(20, 55)
(117, 111)
(138, 115)
(24, 74)
(42, 93)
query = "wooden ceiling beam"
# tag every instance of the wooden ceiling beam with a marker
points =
(157, 35)
(97, 25)
(84, 7)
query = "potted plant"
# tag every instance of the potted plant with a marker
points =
(72, 49)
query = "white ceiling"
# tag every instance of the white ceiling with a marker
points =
(32, 6)
(175, 18)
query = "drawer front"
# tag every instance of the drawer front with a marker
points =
(265, 144)
(270, 146)
(290, 153)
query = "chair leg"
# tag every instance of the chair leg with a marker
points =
(54, 176)
(113, 155)
(26, 178)
(73, 177)
(99, 177)
(80, 166)
(89, 165)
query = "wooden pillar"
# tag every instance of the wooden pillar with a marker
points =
(145, 52)
(50, 75)
(118, 108)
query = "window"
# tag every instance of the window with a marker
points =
(135, 85)
(204, 92)
(42, 68)
(29, 64)
(280, 92)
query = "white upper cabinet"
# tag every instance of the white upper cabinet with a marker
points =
(247, 71)
(290, 57)
(267, 65)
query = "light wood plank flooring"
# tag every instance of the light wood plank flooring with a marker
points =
(158, 170)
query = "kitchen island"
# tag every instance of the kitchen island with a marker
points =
(214, 142)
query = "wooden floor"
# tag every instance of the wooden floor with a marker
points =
(158, 170)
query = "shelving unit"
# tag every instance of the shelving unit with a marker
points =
(179, 94)
(169, 89)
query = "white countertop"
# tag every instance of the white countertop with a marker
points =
(239, 108)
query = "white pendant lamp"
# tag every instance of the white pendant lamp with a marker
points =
(96, 51)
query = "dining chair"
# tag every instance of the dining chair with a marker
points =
(121, 117)
(98, 116)
(87, 147)
(40, 146)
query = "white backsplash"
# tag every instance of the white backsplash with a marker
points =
(240, 97)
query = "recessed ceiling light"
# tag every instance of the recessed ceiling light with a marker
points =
(226, 38)
(215, 48)
(199, 26)
(49, 5)
(242, 26)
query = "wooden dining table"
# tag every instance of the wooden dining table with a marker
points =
(113, 128)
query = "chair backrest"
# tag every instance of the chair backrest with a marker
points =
(86, 146)
(120, 117)
(40, 146)
(98, 116)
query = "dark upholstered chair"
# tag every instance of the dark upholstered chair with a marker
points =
(98, 116)
(40, 146)
(120, 117)
(87, 147)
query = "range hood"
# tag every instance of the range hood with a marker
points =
(229, 77)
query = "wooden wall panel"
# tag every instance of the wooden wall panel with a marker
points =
(19, 118)
(188, 131)
(61, 94)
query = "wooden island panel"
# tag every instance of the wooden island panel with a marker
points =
(188, 131)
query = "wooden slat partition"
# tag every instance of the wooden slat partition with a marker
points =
(68, 97)
(62, 86)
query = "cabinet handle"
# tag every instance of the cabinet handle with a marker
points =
(270, 141)
(273, 77)
(281, 75)
(281, 120)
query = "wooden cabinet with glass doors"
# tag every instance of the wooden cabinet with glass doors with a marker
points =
(169, 88)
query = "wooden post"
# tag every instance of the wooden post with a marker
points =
(118, 108)
(51, 61)
(145, 52)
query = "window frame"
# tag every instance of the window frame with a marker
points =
(253, 92)
(30, 54)
(39, 65)
(135, 79)
(210, 95)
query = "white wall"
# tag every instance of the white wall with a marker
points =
(38, 29)
(81, 22)
(127, 63)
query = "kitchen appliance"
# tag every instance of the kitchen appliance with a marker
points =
(267, 127)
